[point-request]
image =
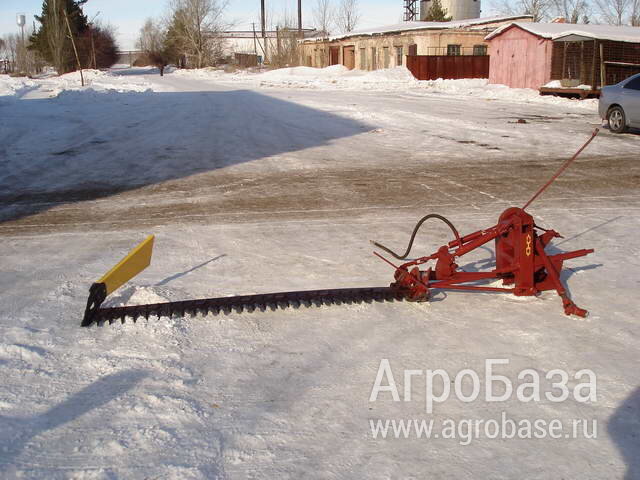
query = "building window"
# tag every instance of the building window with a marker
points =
(374, 59)
(363, 59)
(413, 49)
(479, 49)
(399, 56)
(453, 50)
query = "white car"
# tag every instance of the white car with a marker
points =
(620, 104)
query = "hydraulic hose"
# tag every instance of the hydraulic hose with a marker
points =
(415, 231)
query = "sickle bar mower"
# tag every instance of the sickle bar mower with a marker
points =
(522, 264)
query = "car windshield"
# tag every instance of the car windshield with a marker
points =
(633, 83)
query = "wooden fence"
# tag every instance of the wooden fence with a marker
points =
(246, 60)
(432, 67)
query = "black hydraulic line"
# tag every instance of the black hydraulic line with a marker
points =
(415, 231)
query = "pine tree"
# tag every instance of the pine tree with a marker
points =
(52, 40)
(174, 45)
(436, 13)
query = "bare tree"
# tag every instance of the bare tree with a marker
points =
(286, 52)
(573, 11)
(539, 9)
(10, 49)
(28, 59)
(5, 55)
(19, 57)
(614, 11)
(198, 24)
(348, 15)
(635, 13)
(151, 37)
(151, 42)
(323, 15)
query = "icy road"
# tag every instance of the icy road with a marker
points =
(261, 183)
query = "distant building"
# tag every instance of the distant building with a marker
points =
(389, 45)
(530, 55)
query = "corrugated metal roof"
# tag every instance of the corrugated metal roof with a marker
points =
(555, 31)
(410, 26)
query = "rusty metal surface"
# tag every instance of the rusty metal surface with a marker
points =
(334, 55)
(432, 67)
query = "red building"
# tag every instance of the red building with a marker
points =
(530, 55)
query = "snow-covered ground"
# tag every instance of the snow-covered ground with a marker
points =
(253, 184)
(338, 77)
(54, 86)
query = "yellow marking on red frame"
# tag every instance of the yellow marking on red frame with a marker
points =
(527, 250)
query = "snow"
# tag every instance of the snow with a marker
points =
(558, 84)
(396, 79)
(557, 31)
(418, 25)
(254, 188)
(53, 86)
(13, 86)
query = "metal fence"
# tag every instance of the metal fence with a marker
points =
(432, 67)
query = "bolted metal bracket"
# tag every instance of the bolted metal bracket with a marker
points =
(97, 295)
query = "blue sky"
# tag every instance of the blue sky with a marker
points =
(129, 15)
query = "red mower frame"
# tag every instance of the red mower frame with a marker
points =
(521, 259)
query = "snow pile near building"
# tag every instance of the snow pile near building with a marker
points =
(329, 78)
(400, 78)
(338, 76)
(481, 88)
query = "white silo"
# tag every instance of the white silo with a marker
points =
(456, 9)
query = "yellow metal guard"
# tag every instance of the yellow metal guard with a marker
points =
(137, 260)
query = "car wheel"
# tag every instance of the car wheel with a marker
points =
(617, 120)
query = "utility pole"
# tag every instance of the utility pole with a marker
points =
(255, 47)
(93, 61)
(264, 33)
(300, 18)
(73, 42)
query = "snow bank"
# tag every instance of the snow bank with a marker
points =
(307, 72)
(12, 86)
(338, 76)
(391, 79)
(481, 88)
(53, 86)
(102, 81)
